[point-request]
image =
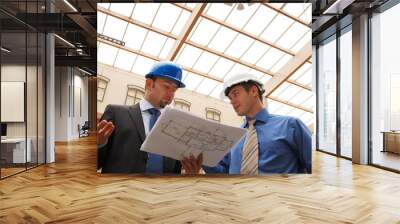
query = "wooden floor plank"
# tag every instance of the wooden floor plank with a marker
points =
(70, 191)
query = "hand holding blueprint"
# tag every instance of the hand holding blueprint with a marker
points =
(178, 134)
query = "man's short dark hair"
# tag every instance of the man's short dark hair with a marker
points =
(247, 85)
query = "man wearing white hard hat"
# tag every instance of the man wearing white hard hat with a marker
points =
(273, 144)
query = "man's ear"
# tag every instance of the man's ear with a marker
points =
(254, 90)
(148, 83)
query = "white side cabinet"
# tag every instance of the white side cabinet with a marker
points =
(17, 147)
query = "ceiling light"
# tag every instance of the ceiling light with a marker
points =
(240, 6)
(70, 5)
(5, 50)
(65, 41)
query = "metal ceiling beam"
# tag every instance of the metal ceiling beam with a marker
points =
(196, 13)
(286, 71)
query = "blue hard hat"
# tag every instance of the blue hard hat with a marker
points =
(167, 70)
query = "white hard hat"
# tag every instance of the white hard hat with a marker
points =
(239, 78)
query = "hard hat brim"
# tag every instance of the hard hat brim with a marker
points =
(179, 83)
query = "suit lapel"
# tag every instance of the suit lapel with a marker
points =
(136, 115)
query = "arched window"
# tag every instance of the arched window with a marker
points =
(182, 104)
(213, 114)
(102, 83)
(134, 95)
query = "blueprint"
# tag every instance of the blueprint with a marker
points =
(177, 134)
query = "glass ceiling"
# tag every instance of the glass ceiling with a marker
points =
(260, 39)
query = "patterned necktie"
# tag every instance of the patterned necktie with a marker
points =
(155, 161)
(250, 151)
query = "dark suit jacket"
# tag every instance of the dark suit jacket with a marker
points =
(122, 152)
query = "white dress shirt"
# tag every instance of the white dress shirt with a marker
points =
(144, 106)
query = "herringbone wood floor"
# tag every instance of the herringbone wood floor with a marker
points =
(70, 191)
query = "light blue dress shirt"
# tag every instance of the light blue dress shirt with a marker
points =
(284, 147)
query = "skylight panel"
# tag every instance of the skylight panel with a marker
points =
(205, 62)
(289, 92)
(206, 86)
(204, 31)
(257, 73)
(154, 43)
(125, 60)
(295, 9)
(237, 68)
(188, 56)
(291, 36)
(221, 68)
(302, 97)
(106, 54)
(239, 46)
(260, 20)
(309, 103)
(219, 10)
(222, 39)
(280, 89)
(134, 36)
(217, 91)
(255, 52)
(167, 48)
(276, 28)
(115, 28)
(284, 110)
(307, 118)
(122, 8)
(238, 18)
(265, 79)
(302, 42)
(270, 58)
(142, 65)
(184, 16)
(306, 78)
(306, 16)
(299, 72)
(296, 113)
(166, 17)
(192, 81)
(282, 62)
(273, 106)
(101, 18)
(145, 12)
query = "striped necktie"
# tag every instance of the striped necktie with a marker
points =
(250, 151)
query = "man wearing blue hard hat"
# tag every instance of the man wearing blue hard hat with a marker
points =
(123, 129)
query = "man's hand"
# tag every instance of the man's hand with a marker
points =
(192, 165)
(104, 130)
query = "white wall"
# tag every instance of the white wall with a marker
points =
(34, 125)
(69, 82)
(117, 89)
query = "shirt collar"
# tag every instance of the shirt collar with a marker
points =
(261, 116)
(145, 105)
